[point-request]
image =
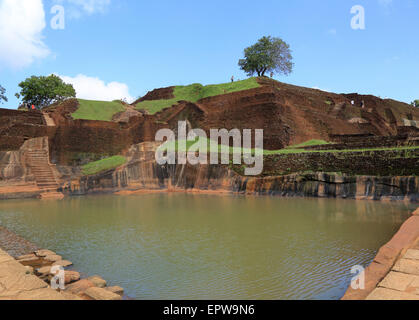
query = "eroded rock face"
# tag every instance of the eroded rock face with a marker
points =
(142, 173)
(79, 287)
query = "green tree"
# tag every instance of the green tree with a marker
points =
(415, 103)
(269, 54)
(43, 91)
(2, 95)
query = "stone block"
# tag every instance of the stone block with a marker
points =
(102, 294)
(388, 294)
(116, 290)
(98, 281)
(412, 254)
(407, 266)
(397, 281)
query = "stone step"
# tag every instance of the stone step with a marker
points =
(44, 174)
(51, 195)
(49, 173)
(47, 185)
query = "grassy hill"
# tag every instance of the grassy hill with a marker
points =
(195, 92)
(97, 110)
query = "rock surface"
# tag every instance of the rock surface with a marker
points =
(101, 294)
(53, 258)
(388, 272)
(17, 284)
(63, 263)
(116, 290)
(79, 287)
(71, 276)
(97, 281)
(43, 253)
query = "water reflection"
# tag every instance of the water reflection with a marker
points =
(176, 246)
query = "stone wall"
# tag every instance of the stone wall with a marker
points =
(373, 163)
(143, 174)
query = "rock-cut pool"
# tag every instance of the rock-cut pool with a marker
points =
(181, 246)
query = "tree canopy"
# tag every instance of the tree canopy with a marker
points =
(44, 91)
(3, 98)
(415, 103)
(269, 54)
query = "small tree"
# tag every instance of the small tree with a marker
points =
(415, 103)
(3, 98)
(43, 91)
(269, 54)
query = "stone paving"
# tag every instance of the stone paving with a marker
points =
(402, 283)
(18, 283)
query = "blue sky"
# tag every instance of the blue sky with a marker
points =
(123, 48)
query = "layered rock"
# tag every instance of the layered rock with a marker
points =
(143, 173)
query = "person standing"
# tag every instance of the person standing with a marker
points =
(232, 78)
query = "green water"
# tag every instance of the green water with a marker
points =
(177, 246)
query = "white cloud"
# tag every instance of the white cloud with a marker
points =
(91, 6)
(332, 31)
(92, 88)
(385, 3)
(75, 8)
(21, 26)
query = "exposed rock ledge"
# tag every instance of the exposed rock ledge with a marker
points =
(27, 278)
(142, 173)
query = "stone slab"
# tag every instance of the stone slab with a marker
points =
(116, 290)
(412, 254)
(98, 281)
(63, 263)
(17, 282)
(4, 258)
(389, 294)
(40, 294)
(397, 281)
(53, 258)
(79, 287)
(43, 253)
(407, 266)
(12, 266)
(101, 294)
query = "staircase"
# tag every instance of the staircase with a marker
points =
(38, 161)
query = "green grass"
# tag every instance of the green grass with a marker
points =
(294, 151)
(103, 165)
(97, 110)
(309, 143)
(195, 92)
(177, 146)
